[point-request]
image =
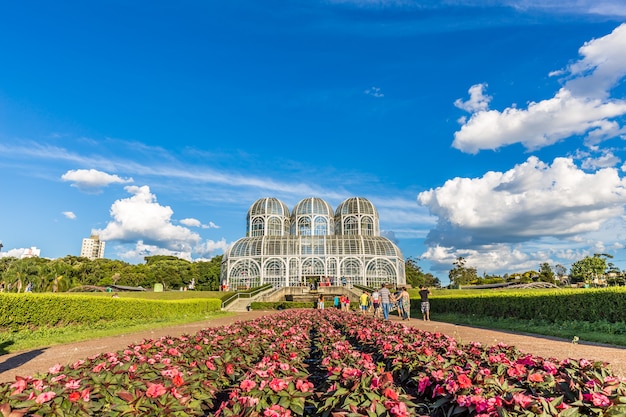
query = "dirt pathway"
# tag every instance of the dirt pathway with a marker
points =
(40, 360)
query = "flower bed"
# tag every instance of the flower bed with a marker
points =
(317, 362)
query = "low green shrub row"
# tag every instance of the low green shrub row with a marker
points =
(284, 305)
(553, 305)
(18, 311)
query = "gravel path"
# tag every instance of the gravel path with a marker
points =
(40, 360)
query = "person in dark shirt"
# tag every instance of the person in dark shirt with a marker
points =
(424, 293)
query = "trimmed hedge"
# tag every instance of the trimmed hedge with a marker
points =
(18, 311)
(284, 305)
(553, 305)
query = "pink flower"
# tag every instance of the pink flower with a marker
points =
(276, 411)
(72, 384)
(599, 400)
(522, 400)
(247, 385)
(397, 408)
(55, 369)
(278, 384)
(304, 386)
(535, 377)
(38, 385)
(45, 397)
(155, 390)
(423, 384)
(85, 394)
(58, 378)
(99, 367)
(20, 385)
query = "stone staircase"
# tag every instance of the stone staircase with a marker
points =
(290, 294)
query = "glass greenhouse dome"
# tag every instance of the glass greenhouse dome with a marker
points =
(313, 244)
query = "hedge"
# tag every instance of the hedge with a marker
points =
(553, 305)
(284, 305)
(34, 310)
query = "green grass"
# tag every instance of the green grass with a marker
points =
(597, 332)
(49, 336)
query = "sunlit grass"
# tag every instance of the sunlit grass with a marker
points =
(595, 332)
(50, 336)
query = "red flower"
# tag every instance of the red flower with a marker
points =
(74, 396)
(155, 390)
(178, 380)
(464, 381)
(230, 369)
(391, 394)
(535, 377)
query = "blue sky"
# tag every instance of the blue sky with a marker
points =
(489, 130)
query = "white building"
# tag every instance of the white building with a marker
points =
(31, 252)
(313, 243)
(92, 247)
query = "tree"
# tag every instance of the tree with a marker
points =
(590, 269)
(415, 277)
(545, 273)
(462, 275)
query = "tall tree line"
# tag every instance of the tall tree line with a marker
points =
(63, 274)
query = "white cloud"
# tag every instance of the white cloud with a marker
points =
(141, 250)
(70, 215)
(13, 253)
(374, 92)
(141, 221)
(478, 101)
(530, 202)
(583, 106)
(604, 160)
(489, 258)
(190, 222)
(211, 247)
(141, 217)
(91, 180)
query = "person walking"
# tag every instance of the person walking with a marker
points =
(376, 303)
(385, 300)
(364, 302)
(320, 302)
(425, 305)
(405, 300)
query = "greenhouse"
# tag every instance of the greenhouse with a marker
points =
(312, 245)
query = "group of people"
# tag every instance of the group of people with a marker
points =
(382, 302)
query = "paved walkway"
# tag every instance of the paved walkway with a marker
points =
(40, 360)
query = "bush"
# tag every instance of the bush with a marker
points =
(554, 305)
(18, 311)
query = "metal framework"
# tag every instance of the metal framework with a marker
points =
(313, 243)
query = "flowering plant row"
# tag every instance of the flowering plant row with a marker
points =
(317, 362)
